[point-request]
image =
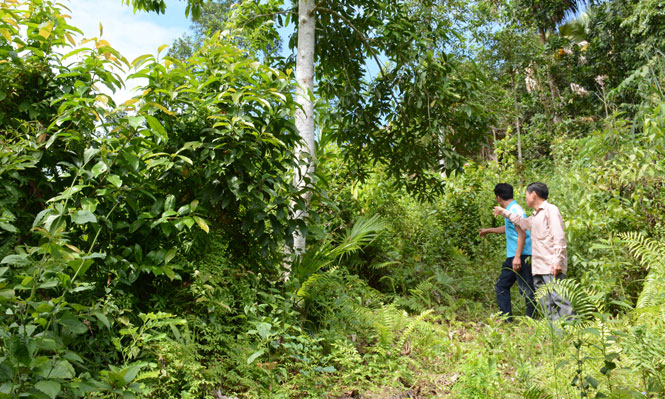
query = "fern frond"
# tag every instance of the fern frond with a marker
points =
(651, 255)
(536, 393)
(648, 251)
(410, 327)
(584, 303)
(305, 288)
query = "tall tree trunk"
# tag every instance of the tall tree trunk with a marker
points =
(304, 117)
(517, 118)
(554, 90)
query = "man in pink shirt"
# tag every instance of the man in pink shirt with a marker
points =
(549, 260)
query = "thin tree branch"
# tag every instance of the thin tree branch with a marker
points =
(270, 14)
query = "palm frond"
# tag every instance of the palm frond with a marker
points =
(363, 233)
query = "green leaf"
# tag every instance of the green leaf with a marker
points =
(136, 225)
(157, 127)
(115, 180)
(593, 331)
(50, 388)
(102, 319)
(189, 222)
(263, 329)
(83, 217)
(255, 355)
(136, 121)
(592, 381)
(202, 224)
(169, 204)
(16, 260)
(6, 388)
(99, 168)
(72, 323)
(131, 159)
(129, 373)
(8, 227)
(61, 369)
(89, 153)
(170, 255)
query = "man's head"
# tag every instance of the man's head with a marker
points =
(504, 193)
(536, 193)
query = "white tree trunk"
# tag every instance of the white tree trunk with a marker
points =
(517, 119)
(304, 117)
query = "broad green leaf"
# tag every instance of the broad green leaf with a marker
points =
(255, 355)
(129, 373)
(61, 369)
(136, 121)
(8, 227)
(170, 255)
(7, 293)
(99, 168)
(136, 225)
(131, 159)
(72, 323)
(50, 388)
(202, 224)
(6, 388)
(83, 217)
(189, 222)
(263, 329)
(16, 260)
(102, 319)
(169, 204)
(89, 153)
(115, 180)
(156, 126)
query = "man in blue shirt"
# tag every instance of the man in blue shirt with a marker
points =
(517, 266)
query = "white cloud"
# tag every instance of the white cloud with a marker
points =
(131, 34)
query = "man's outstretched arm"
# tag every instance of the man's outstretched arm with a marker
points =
(524, 223)
(493, 230)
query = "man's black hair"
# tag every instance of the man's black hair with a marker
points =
(540, 189)
(504, 191)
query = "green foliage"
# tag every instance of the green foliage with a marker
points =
(142, 243)
(650, 253)
(117, 192)
(306, 267)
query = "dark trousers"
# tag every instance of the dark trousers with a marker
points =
(524, 281)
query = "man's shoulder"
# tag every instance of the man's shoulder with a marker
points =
(552, 207)
(516, 208)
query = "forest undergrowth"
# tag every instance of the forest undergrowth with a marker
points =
(148, 247)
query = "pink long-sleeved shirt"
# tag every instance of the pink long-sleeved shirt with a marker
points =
(548, 240)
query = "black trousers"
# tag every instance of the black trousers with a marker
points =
(507, 278)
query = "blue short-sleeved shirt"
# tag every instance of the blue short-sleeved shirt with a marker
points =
(511, 233)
